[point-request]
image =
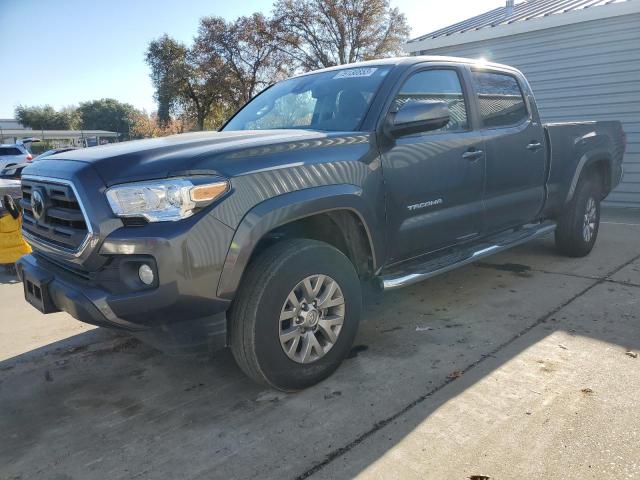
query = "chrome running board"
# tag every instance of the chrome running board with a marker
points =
(417, 272)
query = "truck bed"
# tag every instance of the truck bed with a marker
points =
(570, 146)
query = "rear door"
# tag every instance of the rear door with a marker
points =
(434, 179)
(515, 153)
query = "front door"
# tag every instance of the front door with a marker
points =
(515, 154)
(434, 179)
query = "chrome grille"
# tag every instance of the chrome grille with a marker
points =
(62, 224)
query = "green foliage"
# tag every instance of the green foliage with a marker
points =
(186, 80)
(40, 147)
(47, 118)
(169, 72)
(107, 114)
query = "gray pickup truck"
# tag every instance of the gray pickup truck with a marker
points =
(262, 235)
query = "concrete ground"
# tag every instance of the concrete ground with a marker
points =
(524, 366)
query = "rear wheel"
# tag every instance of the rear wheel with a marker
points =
(578, 226)
(296, 314)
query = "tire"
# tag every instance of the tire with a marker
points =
(257, 330)
(578, 226)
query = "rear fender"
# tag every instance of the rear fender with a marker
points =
(588, 159)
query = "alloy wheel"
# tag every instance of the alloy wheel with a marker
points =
(311, 318)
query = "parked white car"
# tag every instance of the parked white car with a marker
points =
(14, 153)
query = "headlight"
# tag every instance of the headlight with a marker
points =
(164, 200)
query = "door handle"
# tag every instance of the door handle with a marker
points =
(533, 146)
(472, 155)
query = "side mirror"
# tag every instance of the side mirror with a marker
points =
(419, 116)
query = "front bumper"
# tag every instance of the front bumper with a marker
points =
(179, 311)
(160, 327)
(98, 283)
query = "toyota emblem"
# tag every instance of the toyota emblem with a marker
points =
(37, 204)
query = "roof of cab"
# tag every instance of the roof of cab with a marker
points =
(412, 60)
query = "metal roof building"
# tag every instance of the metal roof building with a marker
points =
(582, 58)
(11, 131)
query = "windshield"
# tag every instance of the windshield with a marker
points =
(334, 101)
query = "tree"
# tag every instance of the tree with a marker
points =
(185, 80)
(146, 125)
(230, 62)
(324, 33)
(106, 114)
(248, 49)
(47, 118)
(167, 59)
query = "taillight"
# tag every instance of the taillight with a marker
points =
(29, 157)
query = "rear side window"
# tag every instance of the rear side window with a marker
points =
(9, 151)
(499, 98)
(436, 86)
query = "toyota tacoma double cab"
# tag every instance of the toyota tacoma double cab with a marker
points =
(261, 236)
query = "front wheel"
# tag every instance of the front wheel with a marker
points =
(578, 226)
(296, 314)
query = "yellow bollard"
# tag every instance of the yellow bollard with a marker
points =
(12, 245)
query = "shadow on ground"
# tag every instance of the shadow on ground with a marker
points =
(103, 406)
(7, 277)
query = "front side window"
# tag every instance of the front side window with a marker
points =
(436, 86)
(336, 100)
(499, 98)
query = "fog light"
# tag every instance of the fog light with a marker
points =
(146, 274)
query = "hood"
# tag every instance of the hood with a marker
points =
(224, 153)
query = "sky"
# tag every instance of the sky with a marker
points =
(62, 52)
